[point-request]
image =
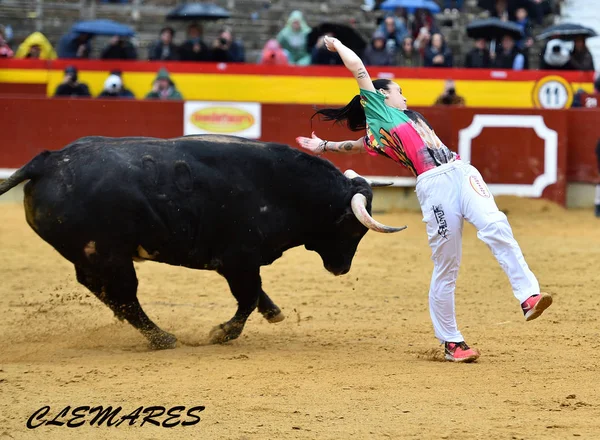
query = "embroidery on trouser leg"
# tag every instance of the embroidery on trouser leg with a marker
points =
(440, 218)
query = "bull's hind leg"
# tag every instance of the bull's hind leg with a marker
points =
(269, 309)
(245, 287)
(116, 286)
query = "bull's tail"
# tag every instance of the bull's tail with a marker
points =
(33, 169)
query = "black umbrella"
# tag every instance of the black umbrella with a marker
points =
(346, 34)
(566, 31)
(493, 29)
(198, 11)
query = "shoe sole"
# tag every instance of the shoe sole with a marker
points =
(466, 360)
(544, 302)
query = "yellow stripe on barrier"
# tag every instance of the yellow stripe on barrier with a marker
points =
(23, 76)
(292, 89)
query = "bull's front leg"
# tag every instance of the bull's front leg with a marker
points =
(245, 285)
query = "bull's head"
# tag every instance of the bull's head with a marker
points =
(338, 247)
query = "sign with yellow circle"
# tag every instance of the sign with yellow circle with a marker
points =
(552, 92)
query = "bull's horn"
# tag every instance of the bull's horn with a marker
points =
(359, 208)
(351, 174)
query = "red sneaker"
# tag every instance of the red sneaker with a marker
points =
(535, 305)
(460, 352)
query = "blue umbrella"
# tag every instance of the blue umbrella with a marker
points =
(390, 5)
(102, 27)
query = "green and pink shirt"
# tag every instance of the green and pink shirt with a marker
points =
(402, 135)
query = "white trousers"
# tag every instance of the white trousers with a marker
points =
(448, 194)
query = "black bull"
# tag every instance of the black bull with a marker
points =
(204, 202)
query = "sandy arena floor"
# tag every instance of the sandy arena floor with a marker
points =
(355, 358)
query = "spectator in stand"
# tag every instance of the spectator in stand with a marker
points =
(75, 45)
(226, 49)
(293, 39)
(422, 41)
(581, 58)
(525, 25)
(194, 48)
(376, 54)
(36, 46)
(113, 88)
(479, 56)
(437, 53)
(393, 30)
(501, 10)
(449, 96)
(163, 49)
(509, 56)
(455, 5)
(5, 50)
(163, 87)
(273, 55)
(119, 48)
(321, 56)
(538, 9)
(70, 86)
(423, 19)
(407, 55)
(402, 15)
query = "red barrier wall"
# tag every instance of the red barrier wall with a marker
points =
(503, 155)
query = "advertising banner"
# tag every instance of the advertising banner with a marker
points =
(233, 118)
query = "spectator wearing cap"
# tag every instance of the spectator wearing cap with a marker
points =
(70, 86)
(163, 87)
(164, 49)
(119, 48)
(376, 53)
(113, 88)
(226, 49)
(194, 49)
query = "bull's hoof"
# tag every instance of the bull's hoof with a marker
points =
(163, 341)
(277, 318)
(273, 315)
(223, 333)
